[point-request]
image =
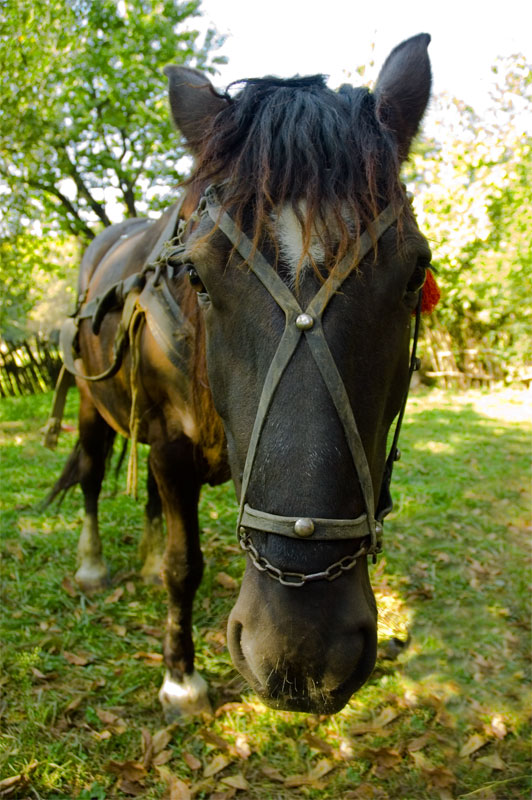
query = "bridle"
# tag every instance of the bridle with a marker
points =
(307, 323)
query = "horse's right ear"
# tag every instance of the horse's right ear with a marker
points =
(403, 89)
(193, 102)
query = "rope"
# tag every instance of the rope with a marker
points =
(135, 330)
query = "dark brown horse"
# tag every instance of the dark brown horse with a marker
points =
(292, 275)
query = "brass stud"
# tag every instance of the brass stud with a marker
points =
(303, 527)
(304, 322)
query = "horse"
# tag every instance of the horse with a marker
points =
(261, 329)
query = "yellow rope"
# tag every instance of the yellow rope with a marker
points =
(135, 330)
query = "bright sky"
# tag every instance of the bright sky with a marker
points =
(285, 37)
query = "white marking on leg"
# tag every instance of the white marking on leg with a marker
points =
(92, 571)
(186, 697)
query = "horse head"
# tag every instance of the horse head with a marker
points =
(308, 264)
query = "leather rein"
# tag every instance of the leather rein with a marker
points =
(307, 323)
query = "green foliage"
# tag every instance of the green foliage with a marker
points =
(38, 283)
(84, 108)
(472, 195)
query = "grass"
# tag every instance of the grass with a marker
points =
(446, 718)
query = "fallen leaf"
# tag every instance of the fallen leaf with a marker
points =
(244, 708)
(493, 761)
(498, 727)
(147, 747)
(160, 739)
(128, 770)
(120, 630)
(320, 769)
(131, 788)
(77, 659)
(149, 658)
(38, 674)
(179, 790)
(421, 761)
(473, 744)
(365, 791)
(318, 744)
(101, 736)
(218, 763)
(162, 758)
(191, 761)
(114, 596)
(69, 587)
(214, 739)
(384, 757)
(7, 785)
(107, 717)
(226, 581)
(418, 743)
(384, 718)
(441, 777)
(130, 587)
(242, 747)
(236, 781)
(272, 773)
(74, 704)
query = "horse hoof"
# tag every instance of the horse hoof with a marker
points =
(92, 579)
(185, 698)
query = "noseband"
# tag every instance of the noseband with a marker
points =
(307, 323)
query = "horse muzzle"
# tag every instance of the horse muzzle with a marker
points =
(307, 650)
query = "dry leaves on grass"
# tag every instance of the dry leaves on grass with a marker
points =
(80, 659)
(474, 743)
(115, 596)
(387, 715)
(240, 748)
(151, 659)
(313, 776)
(217, 764)
(14, 784)
(113, 722)
(131, 776)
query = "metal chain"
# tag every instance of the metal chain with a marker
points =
(297, 579)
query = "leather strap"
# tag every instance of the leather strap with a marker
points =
(284, 526)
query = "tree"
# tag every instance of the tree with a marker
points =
(472, 193)
(84, 125)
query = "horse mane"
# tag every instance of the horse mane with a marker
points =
(295, 142)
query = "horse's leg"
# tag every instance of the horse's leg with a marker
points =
(96, 438)
(183, 691)
(152, 544)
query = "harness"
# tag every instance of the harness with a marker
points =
(307, 323)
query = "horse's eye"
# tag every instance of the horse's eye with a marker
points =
(417, 279)
(195, 280)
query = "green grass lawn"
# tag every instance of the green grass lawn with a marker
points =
(445, 719)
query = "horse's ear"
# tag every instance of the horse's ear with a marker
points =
(193, 102)
(403, 89)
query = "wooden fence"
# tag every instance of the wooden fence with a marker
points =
(28, 367)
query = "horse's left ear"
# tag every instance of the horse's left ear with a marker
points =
(403, 89)
(193, 102)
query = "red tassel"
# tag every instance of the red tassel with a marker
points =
(431, 294)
